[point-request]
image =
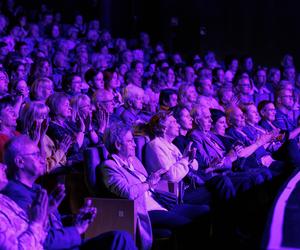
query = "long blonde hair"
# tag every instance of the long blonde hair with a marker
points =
(31, 112)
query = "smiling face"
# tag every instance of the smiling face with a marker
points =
(8, 117)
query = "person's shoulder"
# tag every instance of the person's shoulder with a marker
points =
(7, 205)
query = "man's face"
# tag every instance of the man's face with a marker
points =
(244, 86)
(237, 118)
(207, 88)
(32, 161)
(190, 74)
(290, 74)
(204, 120)
(269, 112)
(138, 102)
(261, 77)
(287, 99)
(127, 146)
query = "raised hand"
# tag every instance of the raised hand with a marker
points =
(44, 127)
(65, 144)
(85, 216)
(35, 132)
(81, 122)
(56, 197)
(102, 117)
(39, 208)
(189, 152)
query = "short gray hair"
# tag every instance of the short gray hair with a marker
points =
(114, 134)
(13, 148)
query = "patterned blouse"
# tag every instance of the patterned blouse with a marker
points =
(16, 232)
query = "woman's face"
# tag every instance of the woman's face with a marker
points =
(185, 120)
(171, 76)
(45, 68)
(114, 83)
(76, 84)
(123, 69)
(191, 94)
(220, 126)
(21, 72)
(172, 127)
(85, 108)
(98, 81)
(22, 88)
(64, 108)
(45, 89)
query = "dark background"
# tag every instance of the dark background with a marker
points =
(266, 29)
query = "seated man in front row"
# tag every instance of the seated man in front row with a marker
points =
(25, 165)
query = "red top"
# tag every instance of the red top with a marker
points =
(4, 139)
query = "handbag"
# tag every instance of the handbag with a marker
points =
(166, 199)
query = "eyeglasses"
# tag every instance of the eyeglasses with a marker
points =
(35, 154)
(288, 96)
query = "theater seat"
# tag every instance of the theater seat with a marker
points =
(113, 214)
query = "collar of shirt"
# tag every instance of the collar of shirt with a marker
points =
(122, 163)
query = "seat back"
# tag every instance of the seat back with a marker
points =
(91, 161)
(113, 214)
(140, 142)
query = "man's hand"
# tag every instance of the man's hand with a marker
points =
(39, 208)
(85, 216)
(56, 197)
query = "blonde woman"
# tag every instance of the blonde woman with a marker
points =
(34, 122)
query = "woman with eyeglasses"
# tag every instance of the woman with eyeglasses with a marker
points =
(33, 121)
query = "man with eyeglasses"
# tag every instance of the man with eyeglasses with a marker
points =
(25, 164)
(284, 105)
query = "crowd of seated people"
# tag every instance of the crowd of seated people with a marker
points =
(204, 132)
